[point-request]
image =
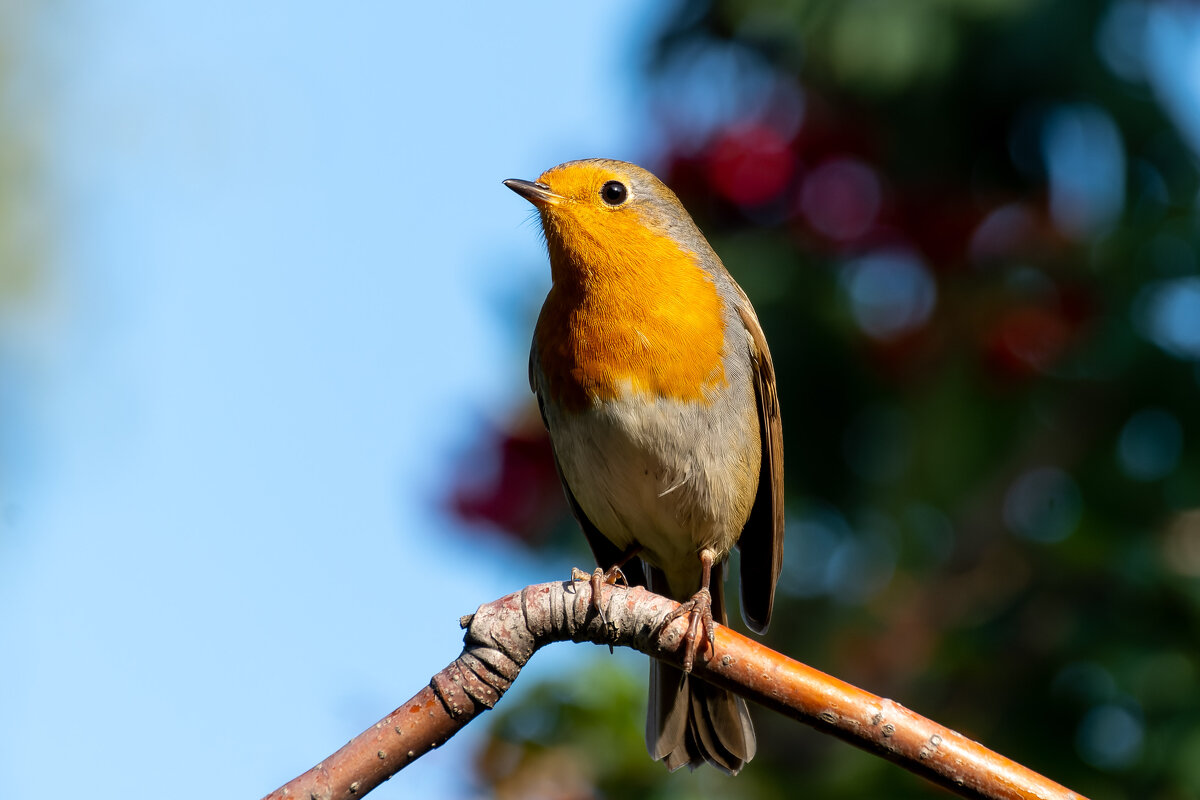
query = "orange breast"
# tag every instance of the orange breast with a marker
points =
(628, 308)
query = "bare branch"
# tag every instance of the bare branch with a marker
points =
(503, 635)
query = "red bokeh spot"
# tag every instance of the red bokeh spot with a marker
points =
(841, 199)
(1028, 340)
(751, 165)
(524, 498)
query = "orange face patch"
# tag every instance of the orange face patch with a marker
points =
(629, 305)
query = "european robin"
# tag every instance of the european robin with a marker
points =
(655, 383)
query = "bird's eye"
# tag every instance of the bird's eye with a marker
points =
(614, 193)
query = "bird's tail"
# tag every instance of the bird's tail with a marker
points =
(689, 721)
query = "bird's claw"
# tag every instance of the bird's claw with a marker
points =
(700, 624)
(613, 576)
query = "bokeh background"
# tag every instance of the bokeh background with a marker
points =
(265, 433)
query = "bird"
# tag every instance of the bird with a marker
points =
(657, 389)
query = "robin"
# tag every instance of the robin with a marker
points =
(654, 380)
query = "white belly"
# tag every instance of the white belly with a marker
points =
(671, 477)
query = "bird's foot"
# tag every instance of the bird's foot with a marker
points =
(700, 626)
(613, 576)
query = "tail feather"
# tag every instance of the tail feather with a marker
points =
(688, 721)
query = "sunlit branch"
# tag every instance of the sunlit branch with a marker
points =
(503, 635)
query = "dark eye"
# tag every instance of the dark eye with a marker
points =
(614, 193)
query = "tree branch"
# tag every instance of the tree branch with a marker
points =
(503, 635)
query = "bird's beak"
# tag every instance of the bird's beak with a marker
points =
(537, 193)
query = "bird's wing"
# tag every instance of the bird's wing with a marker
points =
(761, 543)
(606, 553)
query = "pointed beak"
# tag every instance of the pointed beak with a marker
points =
(537, 193)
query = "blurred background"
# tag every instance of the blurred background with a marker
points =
(264, 423)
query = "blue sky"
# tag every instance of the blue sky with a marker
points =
(279, 300)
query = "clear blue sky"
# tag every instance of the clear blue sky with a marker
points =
(279, 302)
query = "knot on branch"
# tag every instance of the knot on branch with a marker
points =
(503, 635)
(469, 682)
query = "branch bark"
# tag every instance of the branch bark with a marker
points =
(503, 635)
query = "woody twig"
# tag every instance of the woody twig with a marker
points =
(503, 635)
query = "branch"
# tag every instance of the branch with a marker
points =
(503, 635)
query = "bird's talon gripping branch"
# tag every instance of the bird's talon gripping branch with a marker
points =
(700, 628)
(613, 576)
